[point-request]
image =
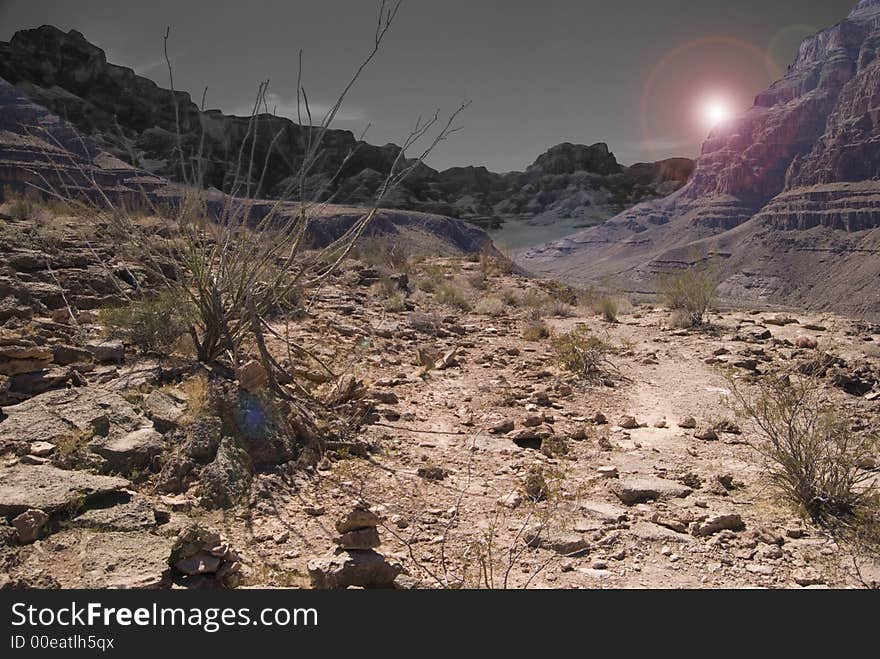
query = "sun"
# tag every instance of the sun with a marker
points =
(715, 111)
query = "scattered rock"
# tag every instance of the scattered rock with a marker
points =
(628, 423)
(716, 523)
(640, 490)
(707, 434)
(30, 525)
(688, 423)
(252, 377)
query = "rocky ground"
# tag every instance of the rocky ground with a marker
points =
(465, 453)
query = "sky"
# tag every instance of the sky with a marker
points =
(644, 76)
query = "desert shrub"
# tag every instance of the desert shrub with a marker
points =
(582, 353)
(21, 208)
(607, 307)
(395, 302)
(451, 295)
(558, 309)
(689, 293)
(490, 306)
(554, 447)
(535, 330)
(509, 297)
(494, 262)
(813, 456)
(150, 323)
(430, 278)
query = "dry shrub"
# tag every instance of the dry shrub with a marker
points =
(535, 330)
(395, 302)
(450, 293)
(607, 307)
(813, 455)
(689, 293)
(490, 306)
(582, 353)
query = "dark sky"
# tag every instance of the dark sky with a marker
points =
(633, 74)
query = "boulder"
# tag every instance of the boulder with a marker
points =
(364, 568)
(30, 525)
(639, 490)
(130, 452)
(226, 481)
(107, 352)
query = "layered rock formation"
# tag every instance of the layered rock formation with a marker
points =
(133, 119)
(37, 149)
(785, 200)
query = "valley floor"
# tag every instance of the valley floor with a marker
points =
(462, 405)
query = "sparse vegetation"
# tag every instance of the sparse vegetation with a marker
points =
(607, 308)
(689, 294)
(535, 330)
(582, 353)
(150, 323)
(813, 455)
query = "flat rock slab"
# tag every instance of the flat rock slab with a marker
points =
(640, 490)
(125, 560)
(134, 515)
(656, 533)
(58, 415)
(364, 568)
(46, 488)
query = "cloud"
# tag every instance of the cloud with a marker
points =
(286, 107)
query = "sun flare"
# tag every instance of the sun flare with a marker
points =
(715, 111)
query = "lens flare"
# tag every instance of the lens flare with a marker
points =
(715, 111)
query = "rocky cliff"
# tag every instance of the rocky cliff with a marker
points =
(785, 200)
(133, 119)
(39, 150)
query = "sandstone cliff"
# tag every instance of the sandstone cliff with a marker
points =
(785, 200)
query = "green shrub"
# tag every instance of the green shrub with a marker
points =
(583, 354)
(689, 293)
(535, 330)
(813, 455)
(607, 307)
(150, 323)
